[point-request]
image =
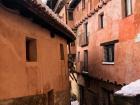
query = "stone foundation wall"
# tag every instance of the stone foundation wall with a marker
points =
(60, 98)
(27, 100)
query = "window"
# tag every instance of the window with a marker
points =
(128, 7)
(101, 20)
(70, 14)
(109, 53)
(61, 52)
(85, 60)
(84, 39)
(86, 33)
(31, 50)
(83, 4)
(109, 48)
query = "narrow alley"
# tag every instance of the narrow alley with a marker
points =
(69, 52)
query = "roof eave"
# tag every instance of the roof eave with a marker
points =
(52, 23)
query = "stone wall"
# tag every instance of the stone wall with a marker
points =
(58, 98)
(27, 100)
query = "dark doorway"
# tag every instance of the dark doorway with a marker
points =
(91, 98)
(107, 97)
(86, 60)
(88, 97)
(81, 88)
(51, 97)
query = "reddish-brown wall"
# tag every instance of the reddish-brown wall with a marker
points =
(20, 78)
(126, 67)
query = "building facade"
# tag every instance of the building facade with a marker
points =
(107, 46)
(33, 56)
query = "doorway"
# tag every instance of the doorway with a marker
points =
(51, 97)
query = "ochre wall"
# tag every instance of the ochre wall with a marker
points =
(19, 78)
(126, 67)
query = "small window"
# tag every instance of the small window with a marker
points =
(83, 4)
(109, 53)
(61, 52)
(84, 41)
(101, 20)
(128, 7)
(70, 14)
(86, 29)
(86, 60)
(31, 50)
(86, 33)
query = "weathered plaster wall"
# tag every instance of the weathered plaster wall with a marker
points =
(19, 78)
(126, 67)
(80, 13)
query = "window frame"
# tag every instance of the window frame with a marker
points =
(126, 8)
(101, 20)
(86, 33)
(85, 63)
(70, 14)
(31, 49)
(109, 53)
(113, 42)
(84, 36)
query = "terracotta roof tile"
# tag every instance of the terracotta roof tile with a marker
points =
(45, 9)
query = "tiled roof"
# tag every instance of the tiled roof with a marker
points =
(45, 9)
